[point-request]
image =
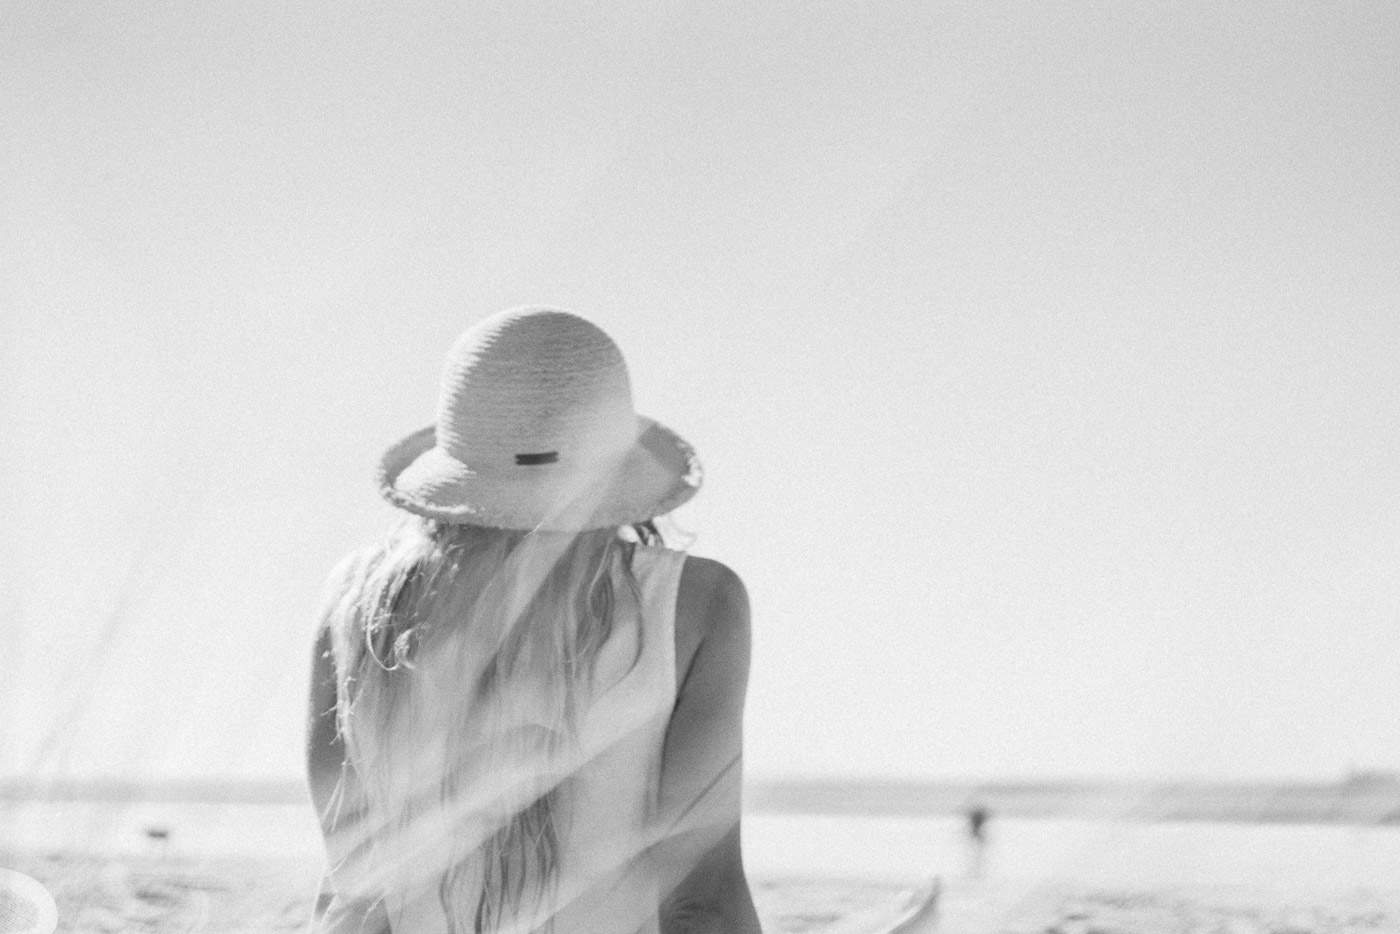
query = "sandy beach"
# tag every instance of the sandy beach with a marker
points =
(163, 895)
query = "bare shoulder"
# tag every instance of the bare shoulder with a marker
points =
(702, 765)
(712, 608)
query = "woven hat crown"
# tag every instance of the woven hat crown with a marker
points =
(534, 383)
(535, 430)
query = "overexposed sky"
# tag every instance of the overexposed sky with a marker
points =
(1041, 356)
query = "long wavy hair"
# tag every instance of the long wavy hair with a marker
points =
(465, 660)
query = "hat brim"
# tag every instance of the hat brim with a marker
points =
(655, 475)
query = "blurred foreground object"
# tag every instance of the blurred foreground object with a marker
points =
(26, 907)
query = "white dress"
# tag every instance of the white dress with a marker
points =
(606, 882)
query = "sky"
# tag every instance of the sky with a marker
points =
(1041, 356)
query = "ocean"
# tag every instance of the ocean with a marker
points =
(1103, 853)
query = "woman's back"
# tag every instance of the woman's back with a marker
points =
(605, 784)
(510, 730)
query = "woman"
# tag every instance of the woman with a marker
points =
(525, 711)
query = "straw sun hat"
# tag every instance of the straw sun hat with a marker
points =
(535, 430)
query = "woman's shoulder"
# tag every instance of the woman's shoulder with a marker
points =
(710, 584)
(712, 606)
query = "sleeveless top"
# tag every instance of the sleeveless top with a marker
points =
(605, 882)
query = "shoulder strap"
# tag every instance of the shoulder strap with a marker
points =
(658, 573)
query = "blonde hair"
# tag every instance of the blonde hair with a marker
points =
(465, 660)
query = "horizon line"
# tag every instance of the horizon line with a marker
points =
(771, 792)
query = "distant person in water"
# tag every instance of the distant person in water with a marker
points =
(977, 823)
(525, 709)
(977, 817)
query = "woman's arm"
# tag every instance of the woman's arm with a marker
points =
(330, 780)
(701, 776)
(325, 750)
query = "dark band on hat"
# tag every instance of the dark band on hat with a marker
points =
(530, 460)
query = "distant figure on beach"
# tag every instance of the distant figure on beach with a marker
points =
(159, 835)
(977, 823)
(525, 709)
(977, 817)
